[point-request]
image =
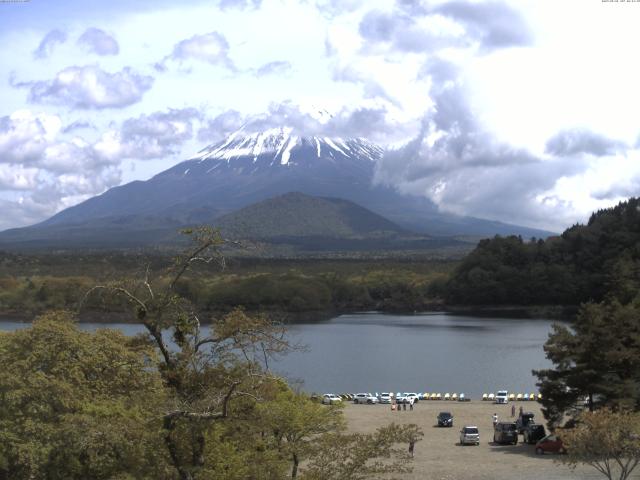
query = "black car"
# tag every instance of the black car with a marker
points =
(523, 420)
(445, 419)
(505, 432)
(533, 433)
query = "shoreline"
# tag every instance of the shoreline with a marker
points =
(546, 312)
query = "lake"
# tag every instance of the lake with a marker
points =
(430, 352)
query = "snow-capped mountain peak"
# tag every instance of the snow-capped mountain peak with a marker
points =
(279, 146)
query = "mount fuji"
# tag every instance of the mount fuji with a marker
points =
(245, 168)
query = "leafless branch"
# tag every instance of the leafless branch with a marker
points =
(146, 283)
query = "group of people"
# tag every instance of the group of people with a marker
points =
(403, 406)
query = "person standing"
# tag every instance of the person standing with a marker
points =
(520, 412)
(412, 446)
(495, 419)
(411, 400)
(513, 410)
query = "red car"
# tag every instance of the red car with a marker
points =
(551, 443)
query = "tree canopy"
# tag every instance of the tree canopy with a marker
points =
(608, 441)
(596, 361)
(586, 263)
(78, 405)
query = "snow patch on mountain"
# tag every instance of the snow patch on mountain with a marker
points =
(282, 147)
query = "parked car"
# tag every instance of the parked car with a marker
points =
(533, 433)
(384, 397)
(551, 443)
(364, 398)
(445, 419)
(502, 396)
(524, 419)
(415, 397)
(331, 398)
(470, 435)
(505, 432)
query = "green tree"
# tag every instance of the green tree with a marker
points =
(78, 405)
(608, 441)
(598, 359)
(296, 422)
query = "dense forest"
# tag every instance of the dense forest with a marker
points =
(586, 263)
(296, 288)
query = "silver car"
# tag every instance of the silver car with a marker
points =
(364, 398)
(331, 398)
(469, 435)
(384, 397)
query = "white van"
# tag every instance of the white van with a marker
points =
(502, 396)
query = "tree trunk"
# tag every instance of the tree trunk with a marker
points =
(296, 462)
(169, 426)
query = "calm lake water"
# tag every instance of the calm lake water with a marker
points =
(432, 352)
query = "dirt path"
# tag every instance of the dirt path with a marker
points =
(439, 456)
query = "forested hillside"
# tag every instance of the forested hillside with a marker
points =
(586, 263)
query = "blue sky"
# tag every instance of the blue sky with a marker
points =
(521, 111)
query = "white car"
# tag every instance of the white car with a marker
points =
(469, 435)
(384, 397)
(415, 397)
(502, 396)
(330, 399)
(364, 398)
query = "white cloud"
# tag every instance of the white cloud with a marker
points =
(49, 42)
(47, 169)
(90, 87)
(212, 48)
(17, 177)
(24, 136)
(158, 135)
(99, 42)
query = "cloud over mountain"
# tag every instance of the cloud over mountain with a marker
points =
(578, 141)
(156, 135)
(463, 167)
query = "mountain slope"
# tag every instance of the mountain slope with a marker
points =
(240, 171)
(244, 169)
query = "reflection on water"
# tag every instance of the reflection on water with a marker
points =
(424, 353)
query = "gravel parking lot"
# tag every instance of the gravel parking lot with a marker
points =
(439, 455)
